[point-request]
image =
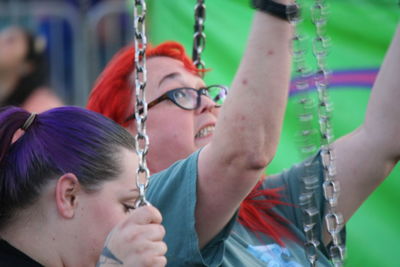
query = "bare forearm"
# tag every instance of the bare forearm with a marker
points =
(367, 156)
(250, 122)
(382, 117)
(255, 109)
(248, 127)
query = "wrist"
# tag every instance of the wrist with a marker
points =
(279, 8)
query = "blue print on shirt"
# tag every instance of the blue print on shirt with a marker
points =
(273, 255)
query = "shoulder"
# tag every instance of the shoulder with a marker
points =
(181, 175)
(42, 99)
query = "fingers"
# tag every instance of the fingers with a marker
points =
(145, 215)
(138, 240)
(159, 261)
(150, 249)
(143, 223)
(151, 232)
(146, 253)
(150, 254)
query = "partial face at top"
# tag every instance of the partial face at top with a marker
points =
(13, 49)
(174, 132)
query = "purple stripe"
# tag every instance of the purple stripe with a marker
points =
(360, 78)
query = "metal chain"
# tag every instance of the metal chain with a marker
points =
(307, 200)
(331, 189)
(141, 138)
(199, 37)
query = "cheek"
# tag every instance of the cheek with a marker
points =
(12, 56)
(171, 127)
(98, 225)
(216, 111)
(171, 139)
(100, 219)
(107, 216)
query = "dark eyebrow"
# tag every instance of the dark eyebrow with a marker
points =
(172, 75)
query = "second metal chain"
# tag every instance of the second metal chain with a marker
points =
(141, 138)
(309, 180)
(331, 189)
(199, 38)
(308, 202)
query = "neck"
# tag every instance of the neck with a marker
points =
(33, 239)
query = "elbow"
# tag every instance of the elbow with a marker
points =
(258, 161)
(259, 157)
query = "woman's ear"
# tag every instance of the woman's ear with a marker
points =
(67, 189)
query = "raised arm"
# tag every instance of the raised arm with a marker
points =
(366, 156)
(248, 129)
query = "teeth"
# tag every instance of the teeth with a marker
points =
(205, 131)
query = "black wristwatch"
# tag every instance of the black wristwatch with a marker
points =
(285, 12)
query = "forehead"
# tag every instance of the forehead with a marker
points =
(160, 66)
(128, 164)
(13, 32)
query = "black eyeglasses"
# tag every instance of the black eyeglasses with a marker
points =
(190, 98)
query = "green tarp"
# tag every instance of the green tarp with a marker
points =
(360, 31)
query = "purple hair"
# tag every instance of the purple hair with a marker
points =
(61, 140)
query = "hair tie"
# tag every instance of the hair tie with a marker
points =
(29, 121)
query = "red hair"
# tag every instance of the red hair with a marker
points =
(256, 213)
(112, 96)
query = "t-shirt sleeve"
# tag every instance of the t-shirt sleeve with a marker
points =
(291, 182)
(173, 192)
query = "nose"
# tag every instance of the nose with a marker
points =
(206, 105)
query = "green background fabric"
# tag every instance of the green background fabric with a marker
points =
(361, 31)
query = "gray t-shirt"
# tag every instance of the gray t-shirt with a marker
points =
(173, 192)
(246, 248)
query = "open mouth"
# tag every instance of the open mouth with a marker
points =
(206, 131)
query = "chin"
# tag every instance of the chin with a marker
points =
(201, 142)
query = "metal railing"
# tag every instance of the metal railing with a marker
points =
(80, 38)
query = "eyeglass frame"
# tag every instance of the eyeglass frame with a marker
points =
(169, 96)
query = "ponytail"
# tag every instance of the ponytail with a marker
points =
(11, 119)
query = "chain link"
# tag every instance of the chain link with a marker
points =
(331, 189)
(308, 136)
(334, 220)
(199, 37)
(141, 138)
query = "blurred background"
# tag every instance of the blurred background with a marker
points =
(80, 36)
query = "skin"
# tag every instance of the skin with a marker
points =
(137, 241)
(67, 220)
(13, 49)
(371, 145)
(13, 66)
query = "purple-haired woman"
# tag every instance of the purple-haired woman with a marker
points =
(66, 181)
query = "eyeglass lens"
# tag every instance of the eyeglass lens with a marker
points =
(188, 97)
